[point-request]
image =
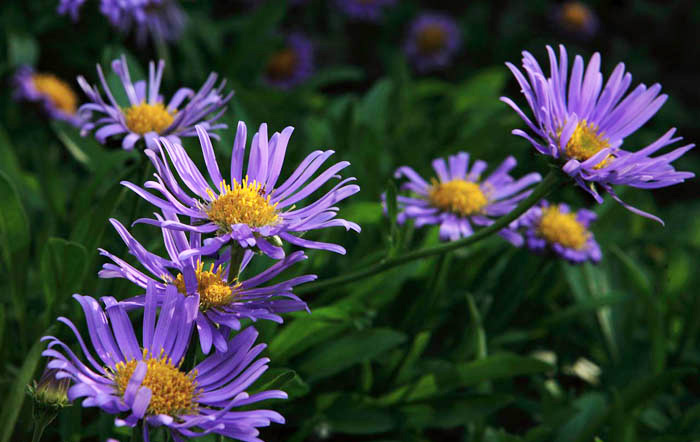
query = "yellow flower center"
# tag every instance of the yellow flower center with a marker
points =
(585, 142)
(281, 65)
(143, 118)
(562, 228)
(431, 39)
(459, 196)
(173, 392)
(213, 290)
(58, 91)
(244, 203)
(575, 15)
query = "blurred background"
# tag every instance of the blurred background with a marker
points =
(489, 343)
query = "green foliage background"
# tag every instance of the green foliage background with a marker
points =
(439, 349)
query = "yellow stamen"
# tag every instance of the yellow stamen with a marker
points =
(575, 15)
(459, 196)
(213, 290)
(244, 203)
(173, 392)
(282, 64)
(586, 141)
(143, 118)
(58, 91)
(562, 228)
(431, 39)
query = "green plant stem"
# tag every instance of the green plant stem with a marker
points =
(546, 185)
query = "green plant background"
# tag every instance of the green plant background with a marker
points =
(445, 348)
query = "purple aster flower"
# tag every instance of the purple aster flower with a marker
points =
(364, 10)
(576, 18)
(251, 210)
(459, 197)
(55, 96)
(144, 381)
(584, 128)
(555, 228)
(147, 116)
(70, 7)
(224, 299)
(433, 39)
(292, 64)
(164, 19)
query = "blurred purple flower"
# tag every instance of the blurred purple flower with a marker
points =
(291, 65)
(576, 18)
(55, 96)
(70, 7)
(164, 19)
(433, 39)
(364, 10)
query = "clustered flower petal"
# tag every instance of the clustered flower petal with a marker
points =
(224, 298)
(583, 125)
(56, 97)
(555, 228)
(459, 198)
(249, 210)
(142, 380)
(147, 116)
(433, 40)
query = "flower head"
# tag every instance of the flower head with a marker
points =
(292, 64)
(364, 10)
(555, 228)
(224, 297)
(70, 7)
(250, 209)
(433, 39)
(576, 18)
(584, 126)
(459, 198)
(49, 391)
(164, 19)
(56, 97)
(145, 382)
(147, 116)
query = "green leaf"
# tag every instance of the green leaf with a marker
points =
(590, 407)
(480, 89)
(337, 74)
(450, 413)
(12, 402)
(22, 49)
(498, 366)
(349, 414)
(349, 350)
(63, 266)
(283, 379)
(298, 335)
(14, 226)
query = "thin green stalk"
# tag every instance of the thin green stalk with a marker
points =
(546, 185)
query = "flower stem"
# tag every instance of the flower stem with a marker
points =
(550, 181)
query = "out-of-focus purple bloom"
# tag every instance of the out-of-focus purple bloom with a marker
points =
(459, 198)
(576, 18)
(147, 116)
(70, 7)
(364, 10)
(291, 65)
(141, 380)
(55, 96)
(224, 299)
(556, 228)
(433, 39)
(164, 19)
(583, 126)
(253, 211)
